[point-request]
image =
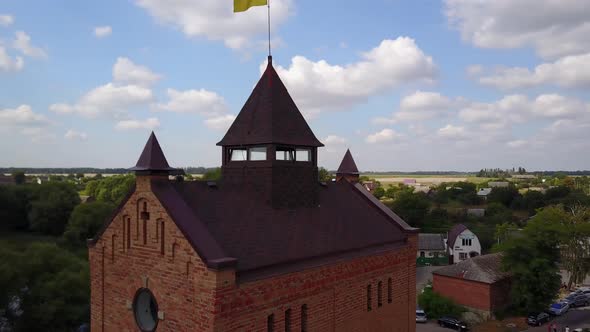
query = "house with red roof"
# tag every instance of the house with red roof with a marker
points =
(266, 248)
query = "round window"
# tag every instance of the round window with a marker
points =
(145, 309)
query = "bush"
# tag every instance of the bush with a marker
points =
(437, 306)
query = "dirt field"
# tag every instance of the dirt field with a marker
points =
(425, 179)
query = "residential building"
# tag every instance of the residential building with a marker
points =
(477, 283)
(266, 248)
(484, 192)
(462, 244)
(431, 250)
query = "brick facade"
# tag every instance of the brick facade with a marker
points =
(135, 252)
(473, 294)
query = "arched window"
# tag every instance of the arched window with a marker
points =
(304, 318)
(389, 291)
(270, 323)
(379, 294)
(162, 237)
(288, 320)
(368, 297)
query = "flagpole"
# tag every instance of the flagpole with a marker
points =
(268, 8)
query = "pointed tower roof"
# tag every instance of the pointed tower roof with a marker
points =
(347, 166)
(270, 116)
(152, 158)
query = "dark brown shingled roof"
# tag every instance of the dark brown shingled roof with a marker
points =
(347, 166)
(429, 241)
(225, 222)
(152, 158)
(453, 233)
(486, 269)
(270, 116)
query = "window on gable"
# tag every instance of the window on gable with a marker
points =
(270, 323)
(379, 294)
(238, 154)
(368, 297)
(257, 153)
(288, 320)
(304, 318)
(389, 290)
(283, 153)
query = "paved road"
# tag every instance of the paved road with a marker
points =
(576, 318)
(424, 275)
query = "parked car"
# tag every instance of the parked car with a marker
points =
(578, 300)
(538, 318)
(421, 316)
(452, 323)
(559, 308)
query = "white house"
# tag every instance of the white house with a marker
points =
(462, 244)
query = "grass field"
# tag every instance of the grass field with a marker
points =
(425, 179)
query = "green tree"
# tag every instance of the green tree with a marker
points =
(575, 247)
(504, 231)
(324, 175)
(19, 177)
(504, 195)
(379, 192)
(85, 221)
(111, 189)
(533, 200)
(14, 206)
(437, 305)
(532, 259)
(412, 207)
(52, 285)
(212, 175)
(51, 206)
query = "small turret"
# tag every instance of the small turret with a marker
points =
(348, 169)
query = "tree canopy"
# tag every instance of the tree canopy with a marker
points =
(85, 221)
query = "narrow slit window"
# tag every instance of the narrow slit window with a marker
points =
(302, 155)
(368, 297)
(304, 318)
(270, 323)
(389, 291)
(288, 320)
(285, 154)
(238, 154)
(379, 294)
(128, 233)
(162, 237)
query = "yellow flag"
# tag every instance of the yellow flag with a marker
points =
(243, 5)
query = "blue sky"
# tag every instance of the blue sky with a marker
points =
(406, 85)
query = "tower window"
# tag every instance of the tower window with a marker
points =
(285, 154)
(258, 153)
(238, 154)
(288, 320)
(303, 155)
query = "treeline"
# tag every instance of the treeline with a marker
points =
(89, 170)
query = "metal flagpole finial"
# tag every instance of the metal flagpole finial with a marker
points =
(268, 8)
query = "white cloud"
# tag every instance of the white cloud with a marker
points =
(22, 43)
(76, 135)
(473, 70)
(201, 101)
(38, 134)
(114, 99)
(569, 71)
(149, 123)
(452, 132)
(334, 140)
(320, 85)
(103, 31)
(553, 28)
(108, 99)
(420, 106)
(6, 20)
(221, 122)
(382, 136)
(7, 63)
(215, 20)
(519, 143)
(126, 71)
(22, 116)
(519, 108)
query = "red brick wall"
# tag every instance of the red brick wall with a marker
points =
(465, 292)
(194, 298)
(500, 294)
